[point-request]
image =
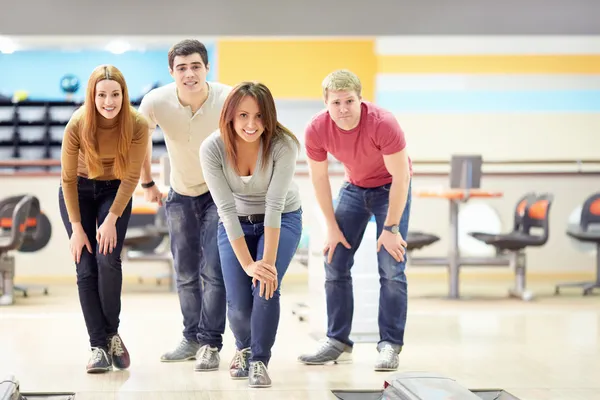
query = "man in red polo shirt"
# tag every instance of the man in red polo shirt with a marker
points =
(370, 144)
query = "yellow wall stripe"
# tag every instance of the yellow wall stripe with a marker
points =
(294, 69)
(490, 64)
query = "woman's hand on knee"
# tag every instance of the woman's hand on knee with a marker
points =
(267, 288)
(264, 273)
(106, 237)
(261, 271)
(78, 241)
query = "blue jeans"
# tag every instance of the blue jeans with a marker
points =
(99, 276)
(355, 208)
(192, 223)
(254, 320)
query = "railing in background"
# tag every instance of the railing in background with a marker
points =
(51, 167)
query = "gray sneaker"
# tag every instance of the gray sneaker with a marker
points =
(207, 359)
(186, 350)
(99, 361)
(388, 359)
(239, 367)
(258, 375)
(331, 350)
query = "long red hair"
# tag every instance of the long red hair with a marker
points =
(89, 124)
(266, 105)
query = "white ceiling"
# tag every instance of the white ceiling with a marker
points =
(83, 42)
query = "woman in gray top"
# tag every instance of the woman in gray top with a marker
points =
(248, 165)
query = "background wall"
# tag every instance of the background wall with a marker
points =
(505, 97)
(39, 72)
(517, 98)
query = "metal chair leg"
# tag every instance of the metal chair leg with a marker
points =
(518, 261)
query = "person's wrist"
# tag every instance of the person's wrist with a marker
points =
(111, 218)
(148, 185)
(393, 229)
(77, 227)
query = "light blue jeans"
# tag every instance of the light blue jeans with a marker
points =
(254, 320)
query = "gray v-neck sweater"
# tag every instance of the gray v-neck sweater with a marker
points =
(270, 191)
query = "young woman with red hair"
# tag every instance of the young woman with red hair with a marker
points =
(103, 149)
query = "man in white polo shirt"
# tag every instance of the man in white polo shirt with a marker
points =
(188, 110)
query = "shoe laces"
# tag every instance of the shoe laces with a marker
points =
(116, 346)
(239, 361)
(325, 344)
(387, 352)
(182, 345)
(205, 354)
(258, 369)
(96, 355)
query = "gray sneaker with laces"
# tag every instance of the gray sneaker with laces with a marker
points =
(186, 350)
(258, 376)
(207, 359)
(388, 359)
(99, 361)
(330, 350)
(239, 367)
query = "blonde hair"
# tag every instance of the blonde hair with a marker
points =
(339, 80)
(89, 140)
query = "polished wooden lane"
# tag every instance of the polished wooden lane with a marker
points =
(544, 350)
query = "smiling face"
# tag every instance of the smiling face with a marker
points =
(248, 122)
(189, 73)
(108, 98)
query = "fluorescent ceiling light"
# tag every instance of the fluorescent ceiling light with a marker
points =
(118, 46)
(7, 46)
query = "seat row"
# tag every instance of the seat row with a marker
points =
(531, 229)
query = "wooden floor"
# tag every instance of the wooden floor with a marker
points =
(546, 349)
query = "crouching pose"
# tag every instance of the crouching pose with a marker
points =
(248, 165)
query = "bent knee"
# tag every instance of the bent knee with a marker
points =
(261, 298)
(188, 280)
(337, 273)
(391, 269)
(109, 260)
(238, 311)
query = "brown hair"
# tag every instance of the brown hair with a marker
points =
(266, 105)
(89, 140)
(187, 47)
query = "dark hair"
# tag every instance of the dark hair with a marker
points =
(187, 47)
(266, 105)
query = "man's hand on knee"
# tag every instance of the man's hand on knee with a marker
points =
(393, 243)
(334, 236)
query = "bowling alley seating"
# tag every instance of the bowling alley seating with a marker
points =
(146, 233)
(416, 240)
(532, 214)
(18, 216)
(590, 216)
(519, 214)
